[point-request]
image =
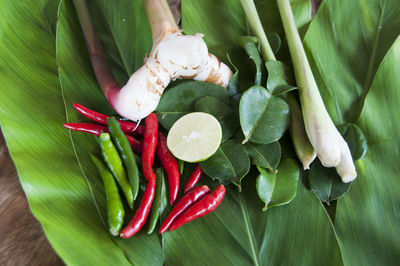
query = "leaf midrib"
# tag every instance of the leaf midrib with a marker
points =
(329, 196)
(250, 233)
(369, 77)
(333, 228)
(230, 164)
(67, 119)
(261, 155)
(260, 118)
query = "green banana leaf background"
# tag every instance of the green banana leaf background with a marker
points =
(354, 50)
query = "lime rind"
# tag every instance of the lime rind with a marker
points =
(194, 137)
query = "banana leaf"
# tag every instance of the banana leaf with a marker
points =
(44, 68)
(367, 218)
(354, 50)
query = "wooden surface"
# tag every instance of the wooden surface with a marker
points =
(22, 240)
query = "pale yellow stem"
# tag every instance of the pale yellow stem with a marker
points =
(161, 20)
(304, 150)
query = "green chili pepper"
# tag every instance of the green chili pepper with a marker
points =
(181, 166)
(156, 209)
(126, 153)
(114, 163)
(115, 209)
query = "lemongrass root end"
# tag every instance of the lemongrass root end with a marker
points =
(306, 161)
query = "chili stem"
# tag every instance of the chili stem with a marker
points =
(256, 27)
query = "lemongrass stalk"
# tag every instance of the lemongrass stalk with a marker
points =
(160, 18)
(319, 126)
(304, 150)
(255, 25)
(100, 66)
(329, 145)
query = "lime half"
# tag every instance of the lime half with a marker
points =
(194, 137)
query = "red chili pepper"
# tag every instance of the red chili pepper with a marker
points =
(149, 146)
(90, 128)
(194, 178)
(139, 219)
(185, 202)
(148, 152)
(126, 126)
(203, 206)
(170, 165)
(96, 130)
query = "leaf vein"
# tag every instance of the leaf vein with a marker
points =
(369, 77)
(259, 120)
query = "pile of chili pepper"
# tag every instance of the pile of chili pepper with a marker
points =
(118, 143)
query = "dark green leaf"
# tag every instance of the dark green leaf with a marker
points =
(252, 47)
(275, 41)
(233, 86)
(264, 155)
(279, 79)
(326, 183)
(356, 140)
(229, 164)
(179, 99)
(286, 183)
(222, 112)
(265, 184)
(263, 118)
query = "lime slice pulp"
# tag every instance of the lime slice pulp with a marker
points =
(194, 137)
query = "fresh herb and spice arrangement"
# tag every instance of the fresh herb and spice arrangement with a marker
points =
(209, 135)
(256, 130)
